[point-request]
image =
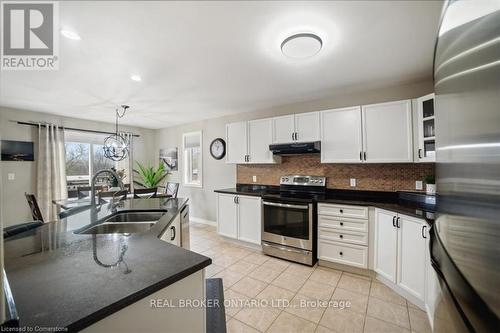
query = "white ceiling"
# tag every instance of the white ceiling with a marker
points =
(201, 60)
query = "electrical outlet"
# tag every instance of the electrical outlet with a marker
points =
(254, 179)
(353, 182)
(419, 185)
(11, 176)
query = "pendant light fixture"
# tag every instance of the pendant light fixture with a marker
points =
(116, 146)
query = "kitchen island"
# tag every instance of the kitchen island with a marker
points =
(65, 277)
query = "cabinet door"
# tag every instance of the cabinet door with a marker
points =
(411, 255)
(173, 233)
(426, 145)
(386, 238)
(307, 127)
(227, 215)
(249, 213)
(283, 129)
(237, 144)
(341, 140)
(260, 136)
(387, 135)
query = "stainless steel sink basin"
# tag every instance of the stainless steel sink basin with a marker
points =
(117, 227)
(135, 217)
(125, 223)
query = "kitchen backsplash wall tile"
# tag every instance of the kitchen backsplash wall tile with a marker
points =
(381, 177)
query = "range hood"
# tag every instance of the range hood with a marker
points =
(296, 148)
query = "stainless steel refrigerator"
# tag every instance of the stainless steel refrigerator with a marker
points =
(465, 239)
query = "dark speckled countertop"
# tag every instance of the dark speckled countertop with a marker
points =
(409, 203)
(62, 279)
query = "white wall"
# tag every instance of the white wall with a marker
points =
(218, 174)
(15, 207)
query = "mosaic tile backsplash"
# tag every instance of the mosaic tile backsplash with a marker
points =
(379, 177)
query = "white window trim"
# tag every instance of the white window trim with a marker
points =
(184, 164)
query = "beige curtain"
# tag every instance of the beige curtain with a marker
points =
(51, 169)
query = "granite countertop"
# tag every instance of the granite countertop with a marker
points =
(62, 279)
(408, 203)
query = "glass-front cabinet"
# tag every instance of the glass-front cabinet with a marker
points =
(426, 129)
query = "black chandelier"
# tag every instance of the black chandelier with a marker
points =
(116, 146)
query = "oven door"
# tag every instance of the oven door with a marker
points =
(288, 224)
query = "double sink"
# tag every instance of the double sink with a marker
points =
(124, 222)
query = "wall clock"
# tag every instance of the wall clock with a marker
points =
(218, 148)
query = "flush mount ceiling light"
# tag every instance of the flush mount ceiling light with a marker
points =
(135, 78)
(70, 34)
(302, 45)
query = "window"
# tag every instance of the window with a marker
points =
(193, 159)
(77, 161)
(85, 156)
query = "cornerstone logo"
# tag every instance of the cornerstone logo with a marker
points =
(30, 37)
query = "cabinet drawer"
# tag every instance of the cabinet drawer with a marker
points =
(342, 224)
(347, 254)
(359, 238)
(358, 212)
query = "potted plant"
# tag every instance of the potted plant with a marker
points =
(150, 177)
(430, 184)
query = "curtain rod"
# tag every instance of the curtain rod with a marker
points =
(69, 128)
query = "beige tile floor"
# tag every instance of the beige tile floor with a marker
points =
(267, 294)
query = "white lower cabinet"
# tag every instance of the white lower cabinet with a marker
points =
(249, 218)
(400, 251)
(343, 234)
(172, 234)
(227, 215)
(239, 217)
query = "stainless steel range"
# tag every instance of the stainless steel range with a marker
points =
(289, 219)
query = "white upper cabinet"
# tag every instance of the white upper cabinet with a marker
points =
(302, 127)
(284, 129)
(387, 132)
(341, 138)
(426, 127)
(307, 127)
(237, 144)
(260, 135)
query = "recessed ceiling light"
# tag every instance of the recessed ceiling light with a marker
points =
(136, 78)
(70, 34)
(303, 45)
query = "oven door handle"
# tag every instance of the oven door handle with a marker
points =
(266, 203)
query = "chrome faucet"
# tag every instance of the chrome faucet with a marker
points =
(94, 178)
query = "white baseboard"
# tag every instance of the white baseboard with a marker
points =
(202, 221)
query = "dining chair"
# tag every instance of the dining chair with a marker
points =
(83, 191)
(13, 230)
(120, 195)
(144, 193)
(171, 189)
(35, 209)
